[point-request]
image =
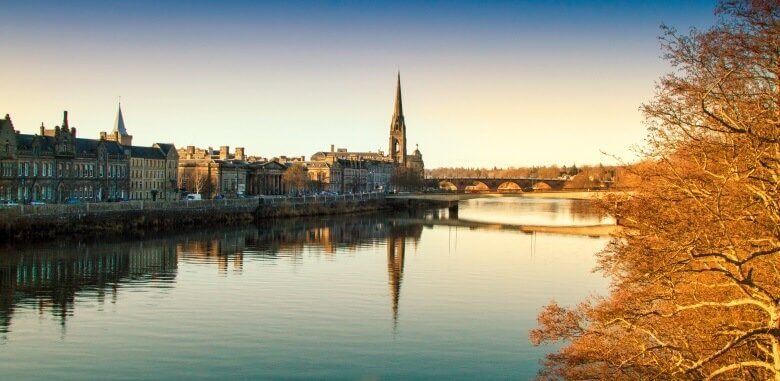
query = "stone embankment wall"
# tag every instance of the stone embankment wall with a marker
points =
(47, 221)
(297, 209)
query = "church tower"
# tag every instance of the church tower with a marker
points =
(119, 133)
(397, 149)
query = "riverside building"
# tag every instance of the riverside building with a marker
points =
(56, 166)
(341, 170)
(153, 170)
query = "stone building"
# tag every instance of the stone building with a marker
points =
(265, 178)
(415, 162)
(380, 173)
(153, 170)
(55, 165)
(341, 170)
(397, 148)
(214, 173)
(334, 174)
(325, 175)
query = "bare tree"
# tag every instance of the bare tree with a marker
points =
(198, 181)
(295, 178)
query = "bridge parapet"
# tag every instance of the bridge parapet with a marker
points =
(494, 183)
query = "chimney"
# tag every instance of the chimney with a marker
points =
(224, 152)
(240, 153)
(73, 132)
(332, 148)
(43, 129)
(65, 120)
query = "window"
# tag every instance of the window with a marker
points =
(8, 169)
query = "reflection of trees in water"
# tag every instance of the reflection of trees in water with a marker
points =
(50, 276)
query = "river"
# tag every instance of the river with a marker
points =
(374, 296)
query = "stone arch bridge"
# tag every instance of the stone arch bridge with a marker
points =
(499, 184)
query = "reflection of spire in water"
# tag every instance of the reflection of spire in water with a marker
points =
(396, 249)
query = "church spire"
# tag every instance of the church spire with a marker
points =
(398, 111)
(397, 149)
(119, 123)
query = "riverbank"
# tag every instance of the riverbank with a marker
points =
(26, 222)
(564, 195)
(573, 195)
(49, 221)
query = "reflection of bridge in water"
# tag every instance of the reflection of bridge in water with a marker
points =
(586, 230)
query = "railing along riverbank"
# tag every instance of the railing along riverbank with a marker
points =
(276, 200)
(108, 207)
(147, 205)
(26, 221)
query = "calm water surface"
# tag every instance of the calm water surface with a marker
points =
(353, 297)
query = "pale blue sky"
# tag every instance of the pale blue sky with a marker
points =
(484, 83)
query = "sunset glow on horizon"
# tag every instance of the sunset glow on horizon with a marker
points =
(510, 84)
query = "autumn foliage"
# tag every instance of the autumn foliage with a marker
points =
(696, 278)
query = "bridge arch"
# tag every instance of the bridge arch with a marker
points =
(509, 187)
(477, 186)
(541, 185)
(448, 185)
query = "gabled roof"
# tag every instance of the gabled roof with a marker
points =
(83, 146)
(317, 164)
(25, 142)
(147, 153)
(90, 146)
(269, 165)
(166, 148)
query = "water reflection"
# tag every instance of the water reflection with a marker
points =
(50, 277)
(367, 296)
(517, 210)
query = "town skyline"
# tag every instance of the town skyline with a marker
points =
(499, 76)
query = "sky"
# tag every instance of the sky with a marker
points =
(504, 83)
